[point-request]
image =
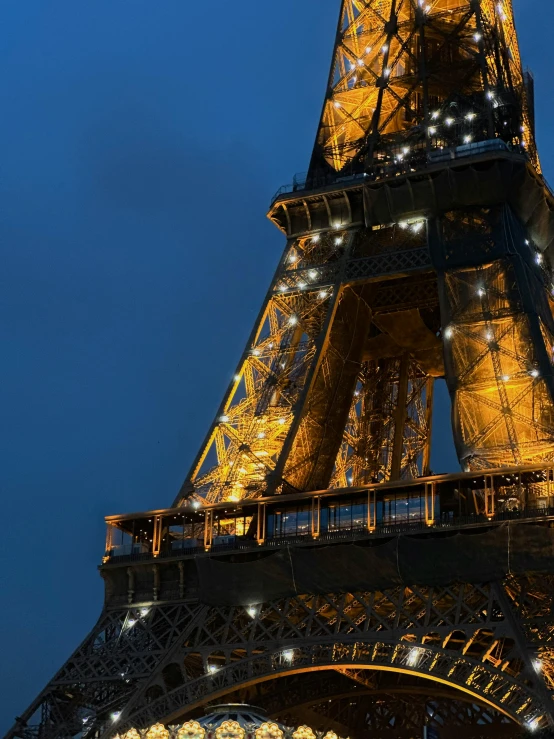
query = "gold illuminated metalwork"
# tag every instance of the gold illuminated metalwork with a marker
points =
(191, 730)
(229, 730)
(303, 732)
(269, 730)
(158, 731)
(397, 62)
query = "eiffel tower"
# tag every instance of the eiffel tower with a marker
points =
(311, 563)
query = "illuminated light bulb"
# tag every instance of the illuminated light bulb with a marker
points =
(288, 654)
(467, 139)
(537, 665)
(293, 320)
(338, 241)
(416, 227)
(449, 121)
(448, 332)
(386, 71)
(490, 95)
(360, 62)
(116, 715)
(315, 238)
(505, 378)
(337, 224)
(293, 258)
(471, 116)
(322, 294)
(130, 623)
(534, 373)
(224, 419)
(302, 285)
(413, 657)
(256, 352)
(538, 258)
(336, 104)
(283, 288)
(212, 669)
(489, 336)
(527, 242)
(406, 150)
(477, 36)
(349, 480)
(356, 393)
(282, 421)
(252, 612)
(270, 345)
(237, 378)
(533, 725)
(432, 130)
(367, 49)
(312, 274)
(196, 504)
(354, 79)
(480, 292)
(435, 114)
(403, 224)
(384, 48)
(261, 435)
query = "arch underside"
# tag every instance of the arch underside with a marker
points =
(355, 702)
(458, 639)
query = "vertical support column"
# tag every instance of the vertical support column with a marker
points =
(208, 529)
(430, 503)
(260, 532)
(400, 418)
(316, 511)
(157, 536)
(371, 519)
(109, 537)
(429, 391)
(489, 496)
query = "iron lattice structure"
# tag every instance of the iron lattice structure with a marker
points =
(418, 246)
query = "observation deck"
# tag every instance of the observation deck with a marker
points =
(223, 551)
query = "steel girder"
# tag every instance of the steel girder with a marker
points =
(335, 386)
(406, 76)
(150, 663)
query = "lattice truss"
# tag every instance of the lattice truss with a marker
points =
(255, 419)
(314, 399)
(155, 664)
(368, 448)
(503, 406)
(435, 73)
(355, 702)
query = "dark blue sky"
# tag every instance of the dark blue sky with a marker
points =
(141, 142)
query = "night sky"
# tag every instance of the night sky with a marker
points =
(141, 143)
